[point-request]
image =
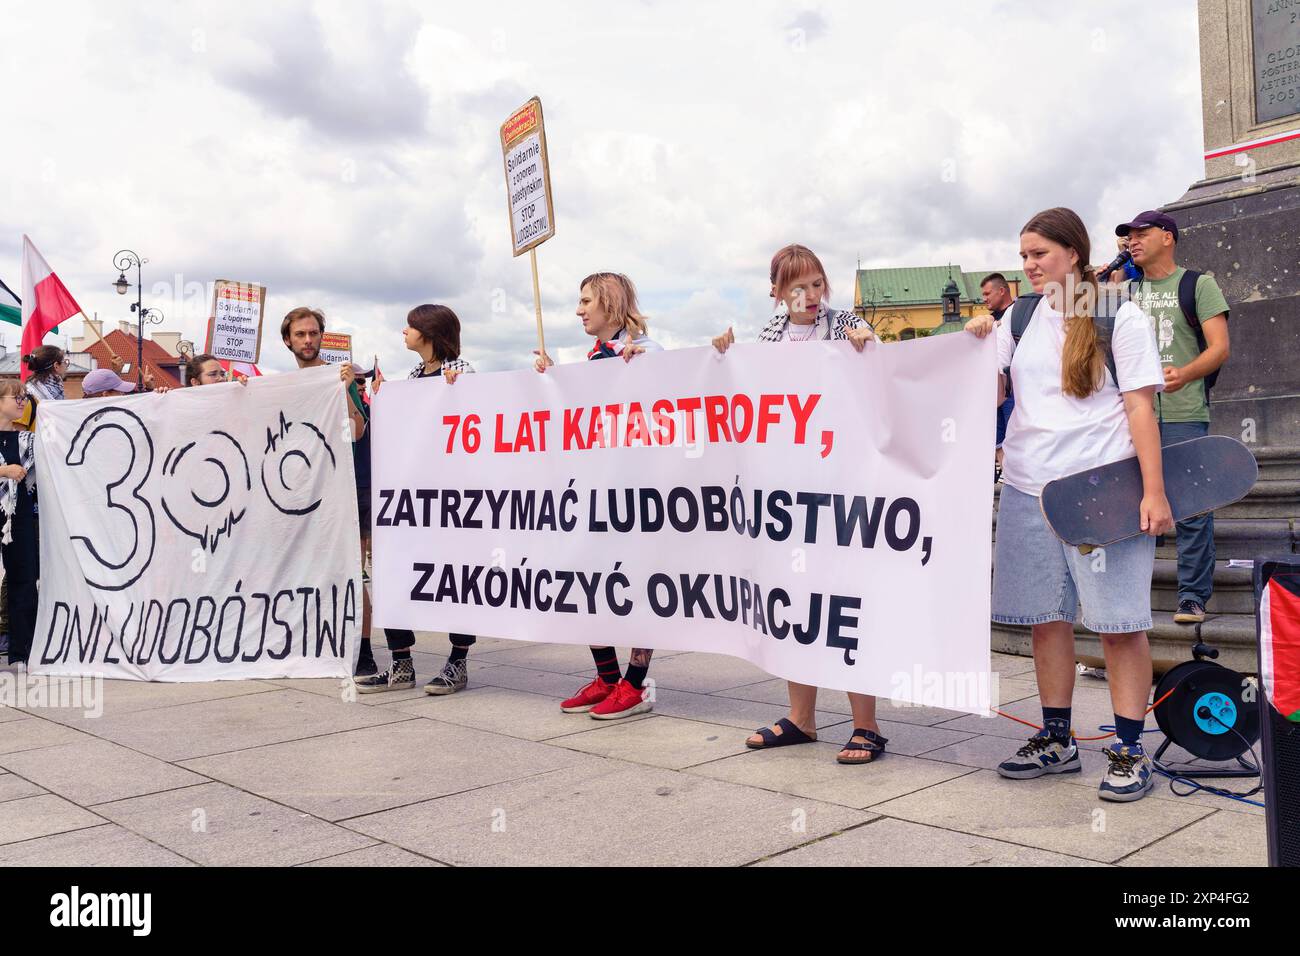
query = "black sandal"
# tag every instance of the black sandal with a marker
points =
(790, 734)
(875, 745)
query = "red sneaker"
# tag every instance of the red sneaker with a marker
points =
(588, 697)
(624, 701)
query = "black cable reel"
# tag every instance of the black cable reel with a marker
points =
(1213, 713)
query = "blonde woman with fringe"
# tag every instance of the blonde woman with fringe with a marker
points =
(802, 290)
(1085, 374)
(609, 312)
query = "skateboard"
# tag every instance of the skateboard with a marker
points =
(1097, 507)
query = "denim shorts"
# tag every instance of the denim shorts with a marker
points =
(1038, 578)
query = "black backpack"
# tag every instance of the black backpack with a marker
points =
(1022, 310)
(1187, 302)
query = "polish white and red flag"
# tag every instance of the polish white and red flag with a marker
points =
(46, 301)
(241, 368)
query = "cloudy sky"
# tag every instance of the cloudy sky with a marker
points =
(347, 155)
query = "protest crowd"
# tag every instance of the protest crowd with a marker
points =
(1096, 365)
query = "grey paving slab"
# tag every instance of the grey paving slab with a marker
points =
(1011, 665)
(1046, 813)
(217, 825)
(1217, 841)
(30, 817)
(837, 701)
(104, 845)
(237, 723)
(571, 817)
(32, 733)
(13, 787)
(669, 742)
(514, 713)
(362, 771)
(437, 642)
(10, 713)
(381, 854)
(558, 686)
(888, 842)
(1091, 708)
(95, 771)
(704, 673)
(810, 771)
(746, 715)
(985, 752)
(130, 696)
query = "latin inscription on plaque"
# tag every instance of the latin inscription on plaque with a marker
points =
(1276, 32)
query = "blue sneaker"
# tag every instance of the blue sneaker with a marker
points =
(1129, 776)
(1042, 754)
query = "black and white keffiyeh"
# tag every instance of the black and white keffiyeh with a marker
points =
(837, 325)
(455, 365)
(9, 486)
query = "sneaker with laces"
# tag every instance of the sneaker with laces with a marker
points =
(1129, 776)
(401, 676)
(623, 701)
(1042, 754)
(454, 676)
(588, 697)
(1189, 612)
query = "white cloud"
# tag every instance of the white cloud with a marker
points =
(348, 156)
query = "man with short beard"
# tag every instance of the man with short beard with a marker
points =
(301, 331)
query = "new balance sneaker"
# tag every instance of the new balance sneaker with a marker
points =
(623, 701)
(1042, 754)
(588, 697)
(401, 676)
(1129, 776)
(1189, 612)
(366, 666)
(454, 676)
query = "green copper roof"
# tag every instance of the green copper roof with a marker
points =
(923, 285)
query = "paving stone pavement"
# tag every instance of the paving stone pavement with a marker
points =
(307, 773)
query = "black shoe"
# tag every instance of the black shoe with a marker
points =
(401, 676)
(454, 677)
(1189, 612)
(366, 666)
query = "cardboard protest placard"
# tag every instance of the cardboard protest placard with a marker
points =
(336, 347)
(235, 326)
(528, 177)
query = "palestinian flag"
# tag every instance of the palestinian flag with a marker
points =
(1279, 643)
(11, 310)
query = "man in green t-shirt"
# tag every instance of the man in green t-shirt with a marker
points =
(1181, 305)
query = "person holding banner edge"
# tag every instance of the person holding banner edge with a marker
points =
(801, 288)
(301, 331)
(1085, 371)
(19, 540)
(607, 306)
(433, 333)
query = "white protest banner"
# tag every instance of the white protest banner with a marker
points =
(822, 513)
(204, 534)
(235, 325)
(336, 347)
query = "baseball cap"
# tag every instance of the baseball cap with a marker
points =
(1152, 217)
(104, 380)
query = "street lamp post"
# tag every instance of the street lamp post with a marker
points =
(124, 260)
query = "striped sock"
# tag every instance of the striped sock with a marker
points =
(606, 659)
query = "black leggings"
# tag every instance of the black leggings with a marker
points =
(22, 563)
(404, 640)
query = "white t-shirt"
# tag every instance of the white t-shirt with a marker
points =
(1052, 434)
